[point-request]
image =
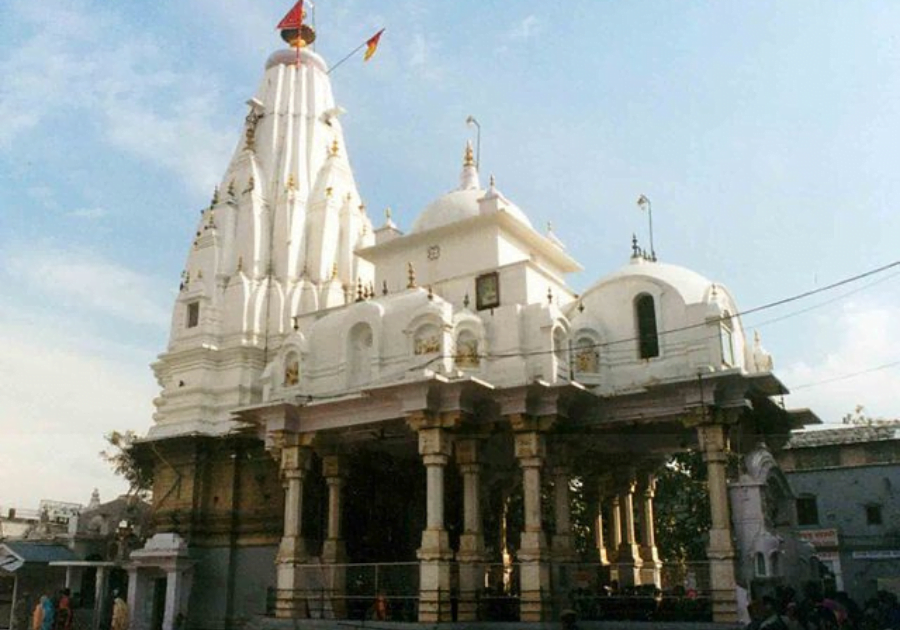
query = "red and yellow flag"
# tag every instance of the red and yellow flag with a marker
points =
(293, 19)
(372, 45)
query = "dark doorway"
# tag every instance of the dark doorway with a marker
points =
(159, 604)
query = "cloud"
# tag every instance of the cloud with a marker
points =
(59, 397)
(140, 98)
(861, 337)
(525, 29)
(81, 279)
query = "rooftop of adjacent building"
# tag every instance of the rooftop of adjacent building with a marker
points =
(879, 431)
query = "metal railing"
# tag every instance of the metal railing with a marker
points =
(492, 592)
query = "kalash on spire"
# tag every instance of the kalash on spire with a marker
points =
(277, 242)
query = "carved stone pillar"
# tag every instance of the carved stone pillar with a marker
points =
(720, 551)
(334, 551)
(602, 556)
(291, 598)
(562, 547)
(650, 571)
(471, 542)
(534, 581)
(434, 554)
(629, 555)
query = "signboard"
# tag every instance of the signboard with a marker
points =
(820, 537)
(877, 554)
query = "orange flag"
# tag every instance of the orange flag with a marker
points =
(293, 19)
(372, 45)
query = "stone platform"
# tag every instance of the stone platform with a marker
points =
(267, 623)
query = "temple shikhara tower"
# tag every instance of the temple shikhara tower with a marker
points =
(356, 421)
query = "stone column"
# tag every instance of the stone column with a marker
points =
(101, 596)
(562, 547)
(435, 554)
(139, 589)
(471, 541)
(720, 550)
(334, 549)
(650, 572)
(291, 600)
(173, 598)
(534, 579)
(598, 533)
(629, 555)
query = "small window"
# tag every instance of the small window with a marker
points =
(760, 564)
(807, 511)
(648, 339)
(193, 314)
(873, 515)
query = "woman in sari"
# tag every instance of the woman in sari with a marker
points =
(49, 613)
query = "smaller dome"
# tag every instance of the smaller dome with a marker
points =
(691, 285)
(450, 208)
(462, 203)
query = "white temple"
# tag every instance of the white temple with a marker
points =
(311, 352)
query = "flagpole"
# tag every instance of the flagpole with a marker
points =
(353, 52)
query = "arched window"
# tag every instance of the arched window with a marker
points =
(727, 339)
(427, 340)
(467, 350)
(760, 564)
(587, 358)
(648, 339)
(291, 369)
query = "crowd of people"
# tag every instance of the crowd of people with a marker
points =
(819, 609)
(57, 612)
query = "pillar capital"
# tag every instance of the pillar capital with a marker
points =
(435, 441)
(467, 451)
(334, 466)
(530, 448)
(527, 422)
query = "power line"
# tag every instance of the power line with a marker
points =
(844, 377)
(720, 319)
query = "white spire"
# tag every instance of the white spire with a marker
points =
(468, 179)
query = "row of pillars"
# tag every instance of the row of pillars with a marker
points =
(633, 564)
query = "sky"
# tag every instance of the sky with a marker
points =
(763, 133)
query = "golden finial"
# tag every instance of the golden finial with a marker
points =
(470, 155)
(251, 184)
(334, 271)
(335, 148)
(291, 183)
(411, 272)
(240, 266)
(430, 293)
(550, 295)
(215, 197)
(362, 208)
(231, 188)
(371, 290)
(359, 290)
(384, 288)
(329, 191)
(387, 214)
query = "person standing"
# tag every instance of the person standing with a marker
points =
(48, 613)
(64, 610)
(37, 617)
(119, 613)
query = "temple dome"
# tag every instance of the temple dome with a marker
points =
(690, 285)
(462, 203)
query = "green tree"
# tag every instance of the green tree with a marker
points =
(121, 456)
(682, 508)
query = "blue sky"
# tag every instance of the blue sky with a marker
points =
(763, 132)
